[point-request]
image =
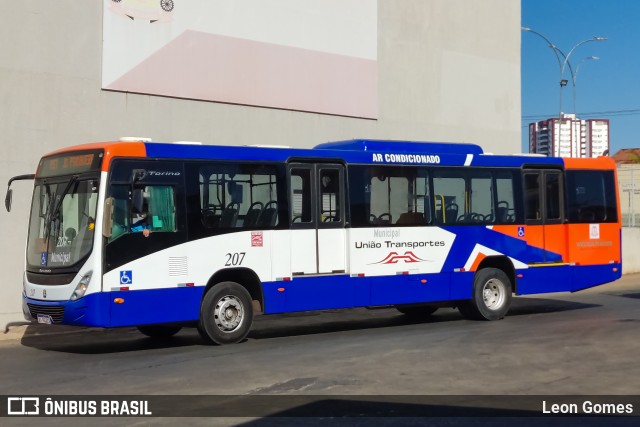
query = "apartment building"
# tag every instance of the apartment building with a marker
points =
(569, 136)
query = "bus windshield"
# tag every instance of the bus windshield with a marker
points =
(62, 222)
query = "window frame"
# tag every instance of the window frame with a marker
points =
(194, 203)
(315, 170)
(543, 195)
(610, 196)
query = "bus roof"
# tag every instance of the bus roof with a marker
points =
(357, 151)
(401, 146)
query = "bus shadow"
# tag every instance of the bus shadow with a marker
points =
(527, 306)
(358, 412)
(331, 321)
(635, 295)
(300, 408)
(105, 341)
(343, 320)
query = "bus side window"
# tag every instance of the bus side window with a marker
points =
(120, 195)
(330, 195)
(532, 196)
(238, 196)
(591, 196)
(553, 201)
(301, 195)
(158, 202)
(505, 210)
(159, 207)
(481, 203)
(450, 196)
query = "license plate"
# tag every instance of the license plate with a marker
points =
(44, 318)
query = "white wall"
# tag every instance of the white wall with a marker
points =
(449, 70)
(630, 245)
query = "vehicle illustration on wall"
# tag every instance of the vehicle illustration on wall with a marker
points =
(146, 10)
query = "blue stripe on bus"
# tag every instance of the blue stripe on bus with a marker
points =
(539, 280)
(318, 293)
(92, 310)
(588, 276)
(453, 156)
(156, 306)
(467, 237)
(515, 161)
(336, 292)
(139, 308)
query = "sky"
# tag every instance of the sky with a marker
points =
(606, 88)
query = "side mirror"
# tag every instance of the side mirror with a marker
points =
(107, 221)
(137, 175)
(137, 200)
(9, 196)
(7, 199)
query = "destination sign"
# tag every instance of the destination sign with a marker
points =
(69, 164)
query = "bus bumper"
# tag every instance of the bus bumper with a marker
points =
(91, 310)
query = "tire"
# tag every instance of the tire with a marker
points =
(159, 331)
(226, 313)
(491, 296)
(166, 5)
(417, 311)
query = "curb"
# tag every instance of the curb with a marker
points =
(13, 332)
(33, 330)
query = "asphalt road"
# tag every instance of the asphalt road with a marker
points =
(559, 344)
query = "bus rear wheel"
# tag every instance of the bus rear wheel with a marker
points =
(226, 313)
(491, 296)
(159, 331)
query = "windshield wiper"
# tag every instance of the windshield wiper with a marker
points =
(54, 213)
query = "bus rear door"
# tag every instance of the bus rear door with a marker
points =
(546, 230)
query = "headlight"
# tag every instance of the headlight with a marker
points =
(82, 287)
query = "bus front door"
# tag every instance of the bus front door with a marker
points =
(318, 237)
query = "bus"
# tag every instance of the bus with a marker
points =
(234, 231)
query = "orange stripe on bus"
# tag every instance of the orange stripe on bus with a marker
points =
(477, 261)
(111, 150)
(597, 163)
(508, 230)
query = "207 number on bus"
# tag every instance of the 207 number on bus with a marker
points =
(234, 258)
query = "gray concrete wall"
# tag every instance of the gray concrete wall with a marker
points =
(630, 245)
(449, 70)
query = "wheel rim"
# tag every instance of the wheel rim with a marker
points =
(229, 313)
(493, 294)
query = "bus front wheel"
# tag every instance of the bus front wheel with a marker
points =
(226, 313)
(491, 296)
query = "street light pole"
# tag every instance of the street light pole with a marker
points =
(573, 75)
(557, 52)
(565, 62)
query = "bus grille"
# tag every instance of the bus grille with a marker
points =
(56, 312)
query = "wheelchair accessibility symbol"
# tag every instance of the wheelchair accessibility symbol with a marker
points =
(126, 277)
(520, 231)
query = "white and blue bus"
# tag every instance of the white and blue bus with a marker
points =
(165, 235)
